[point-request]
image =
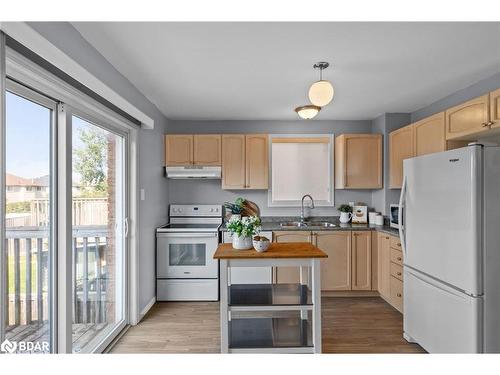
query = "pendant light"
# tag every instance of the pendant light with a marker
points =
(307, 112)
(321, 92)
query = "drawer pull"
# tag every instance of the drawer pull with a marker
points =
(399, 243)
(398, 273)
(387, 238)
(399, 295)
(399, 258)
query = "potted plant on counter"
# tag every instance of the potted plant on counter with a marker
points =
(242, 230)
(235, 208)
(345, 213)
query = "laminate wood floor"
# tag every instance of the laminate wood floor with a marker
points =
(350, 325)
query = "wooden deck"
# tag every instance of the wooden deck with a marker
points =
(82, 333)
(349, 325)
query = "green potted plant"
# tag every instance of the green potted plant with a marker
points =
(242, 230)
(345, 213)
(235, 208)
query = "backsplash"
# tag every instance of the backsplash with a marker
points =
(210, 192)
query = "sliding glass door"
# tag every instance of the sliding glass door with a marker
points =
(28, 251)
(99, 209)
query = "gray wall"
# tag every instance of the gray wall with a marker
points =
(477, 89)
(153, 210)
(386, 123)
(206, 191)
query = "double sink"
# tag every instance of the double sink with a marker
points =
(307, 224)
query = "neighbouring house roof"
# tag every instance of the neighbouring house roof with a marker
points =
(13, 180)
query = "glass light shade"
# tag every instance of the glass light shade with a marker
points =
(321, 93)
(307, 112)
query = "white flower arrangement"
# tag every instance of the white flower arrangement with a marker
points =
(247, 226)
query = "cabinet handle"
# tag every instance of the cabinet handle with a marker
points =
(399, 295)
(399, 243)
(399, 258)
(387, 238)
(399, 273)
(490, 123)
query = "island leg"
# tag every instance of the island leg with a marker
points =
(224, 313)
(316, 296)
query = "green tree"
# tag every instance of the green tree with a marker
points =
(90, 162)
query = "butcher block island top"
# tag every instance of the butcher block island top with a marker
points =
(294, 250)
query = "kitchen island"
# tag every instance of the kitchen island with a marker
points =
(271, 318)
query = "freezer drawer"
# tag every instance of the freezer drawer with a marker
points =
(439, 318)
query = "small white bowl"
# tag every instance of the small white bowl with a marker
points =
(261, 246)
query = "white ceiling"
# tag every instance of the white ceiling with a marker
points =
(261, 71)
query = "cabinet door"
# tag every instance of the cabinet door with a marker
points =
(233, 161)
(401, 147)
(430, 135)
(361, 260)
(207, 149)
(384, 261)
(360, 161)
(285, 275)
(178, 149)
(467, 120)
(495, 108)
(336, 269)
(257, 161)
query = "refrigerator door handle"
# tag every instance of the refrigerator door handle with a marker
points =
(402, 199)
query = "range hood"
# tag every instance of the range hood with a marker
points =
(193, 172)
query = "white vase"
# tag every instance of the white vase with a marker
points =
(242, 243)
(235, 216)
(345, 217)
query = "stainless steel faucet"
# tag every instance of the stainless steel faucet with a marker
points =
(302, 217)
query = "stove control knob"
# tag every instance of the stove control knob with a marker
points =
(211, 210)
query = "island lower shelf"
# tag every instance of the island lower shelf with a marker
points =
(269, 295)
(270, 333)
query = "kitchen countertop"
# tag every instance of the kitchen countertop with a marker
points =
(272, 224)
(292, 250)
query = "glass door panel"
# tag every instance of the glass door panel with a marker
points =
(27, 253)
(98, 195)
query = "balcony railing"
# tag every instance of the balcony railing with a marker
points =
(27, 255)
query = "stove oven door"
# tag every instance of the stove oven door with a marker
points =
(186, 255)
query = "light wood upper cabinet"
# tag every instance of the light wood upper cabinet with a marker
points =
(285, 275)
(467, 120)
(361, 260)
(358, 161)
(336, 269)
(257, 161)
(233, 161)
(207, 149)
(178, 149)
(384, 262)
(245, 161)
(495, 108)
(430, 135)
(401, 147)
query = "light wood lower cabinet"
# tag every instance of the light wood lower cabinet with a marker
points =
(336, 269)
(384, 262)
(361, 260)
(396, 293)
(285, 275)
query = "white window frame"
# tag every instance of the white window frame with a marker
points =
(331, 166)
(75, 102)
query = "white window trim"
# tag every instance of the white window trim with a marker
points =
(76, 102)
(26, 35)
(331, 166)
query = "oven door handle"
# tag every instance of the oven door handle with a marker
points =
(188, 235)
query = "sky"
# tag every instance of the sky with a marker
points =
(28, 137)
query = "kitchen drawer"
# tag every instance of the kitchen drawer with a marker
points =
(397, 271)
(396, 288)
(396, 243)
(397, 256)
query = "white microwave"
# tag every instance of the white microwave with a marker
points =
(394, 216)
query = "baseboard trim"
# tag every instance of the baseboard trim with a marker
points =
(146, 308)
(349, 293)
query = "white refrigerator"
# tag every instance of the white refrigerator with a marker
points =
(451, 248)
